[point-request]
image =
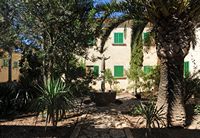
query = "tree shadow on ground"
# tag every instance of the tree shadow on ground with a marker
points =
(138, 133)
(165, 133)
(35, 131)
(189, 108)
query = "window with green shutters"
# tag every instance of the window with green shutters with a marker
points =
(118, 38)
(146, 38)
(118, 71)
(147, 69)
(96, 71)
(186, 68)
(5, 63)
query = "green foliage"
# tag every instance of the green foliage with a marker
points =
(16, 97)
(55, 99)
(138, 79)
(31, 65)
(135, 71)
(25, 92)
(146, 81)
(197, 109)
(64, 29)
(6, 99)
(9, 32)
(151, 79)
(153, 116)
(110, 78)
(192, 85)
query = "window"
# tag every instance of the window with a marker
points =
(146, 38)
(118, 71)
(186, 68)
(118, 38)
(15, 64)
(5, 63)
(93, 69)
(96, 71)
(147, 69)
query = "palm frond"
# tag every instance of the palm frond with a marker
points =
(137, 29)
(110, 28)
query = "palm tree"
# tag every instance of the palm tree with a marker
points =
(174, 23)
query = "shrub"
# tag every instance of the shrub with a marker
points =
(110, 78)
(197, 109)
(6, 99)
(144, 82)
(55, 99)
(153, 116)
(24, 93)
(192, 85)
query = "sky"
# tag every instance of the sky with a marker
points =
(105, 1)
(102, 1)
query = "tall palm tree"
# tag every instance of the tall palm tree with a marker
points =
(174, 23)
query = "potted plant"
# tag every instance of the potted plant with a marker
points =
(110, 79)
(103, 97)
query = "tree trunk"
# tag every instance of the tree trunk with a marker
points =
(171, 90)
(173, 36)
(10, 66)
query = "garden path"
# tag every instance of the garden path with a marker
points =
(114, 122)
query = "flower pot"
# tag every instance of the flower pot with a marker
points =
(103, 98)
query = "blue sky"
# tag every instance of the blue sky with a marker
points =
(105, 0)
(102, 1)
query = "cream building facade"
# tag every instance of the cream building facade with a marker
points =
(118, 49)
(118, 52)
(4, 67)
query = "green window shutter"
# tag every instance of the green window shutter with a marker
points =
(118, 71)
(118, 38)
(96, 71)
(186, 68)
(115, 38)
(5, 63)
(146, 37)
(147, 69)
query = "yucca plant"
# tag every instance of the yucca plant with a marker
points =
(153, 115)
(54, 101)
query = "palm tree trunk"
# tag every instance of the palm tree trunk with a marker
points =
(171, 90)
(173, 36)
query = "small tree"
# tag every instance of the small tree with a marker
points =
(110, 78)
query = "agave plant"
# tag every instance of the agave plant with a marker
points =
(153, 115)
(55, 100)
